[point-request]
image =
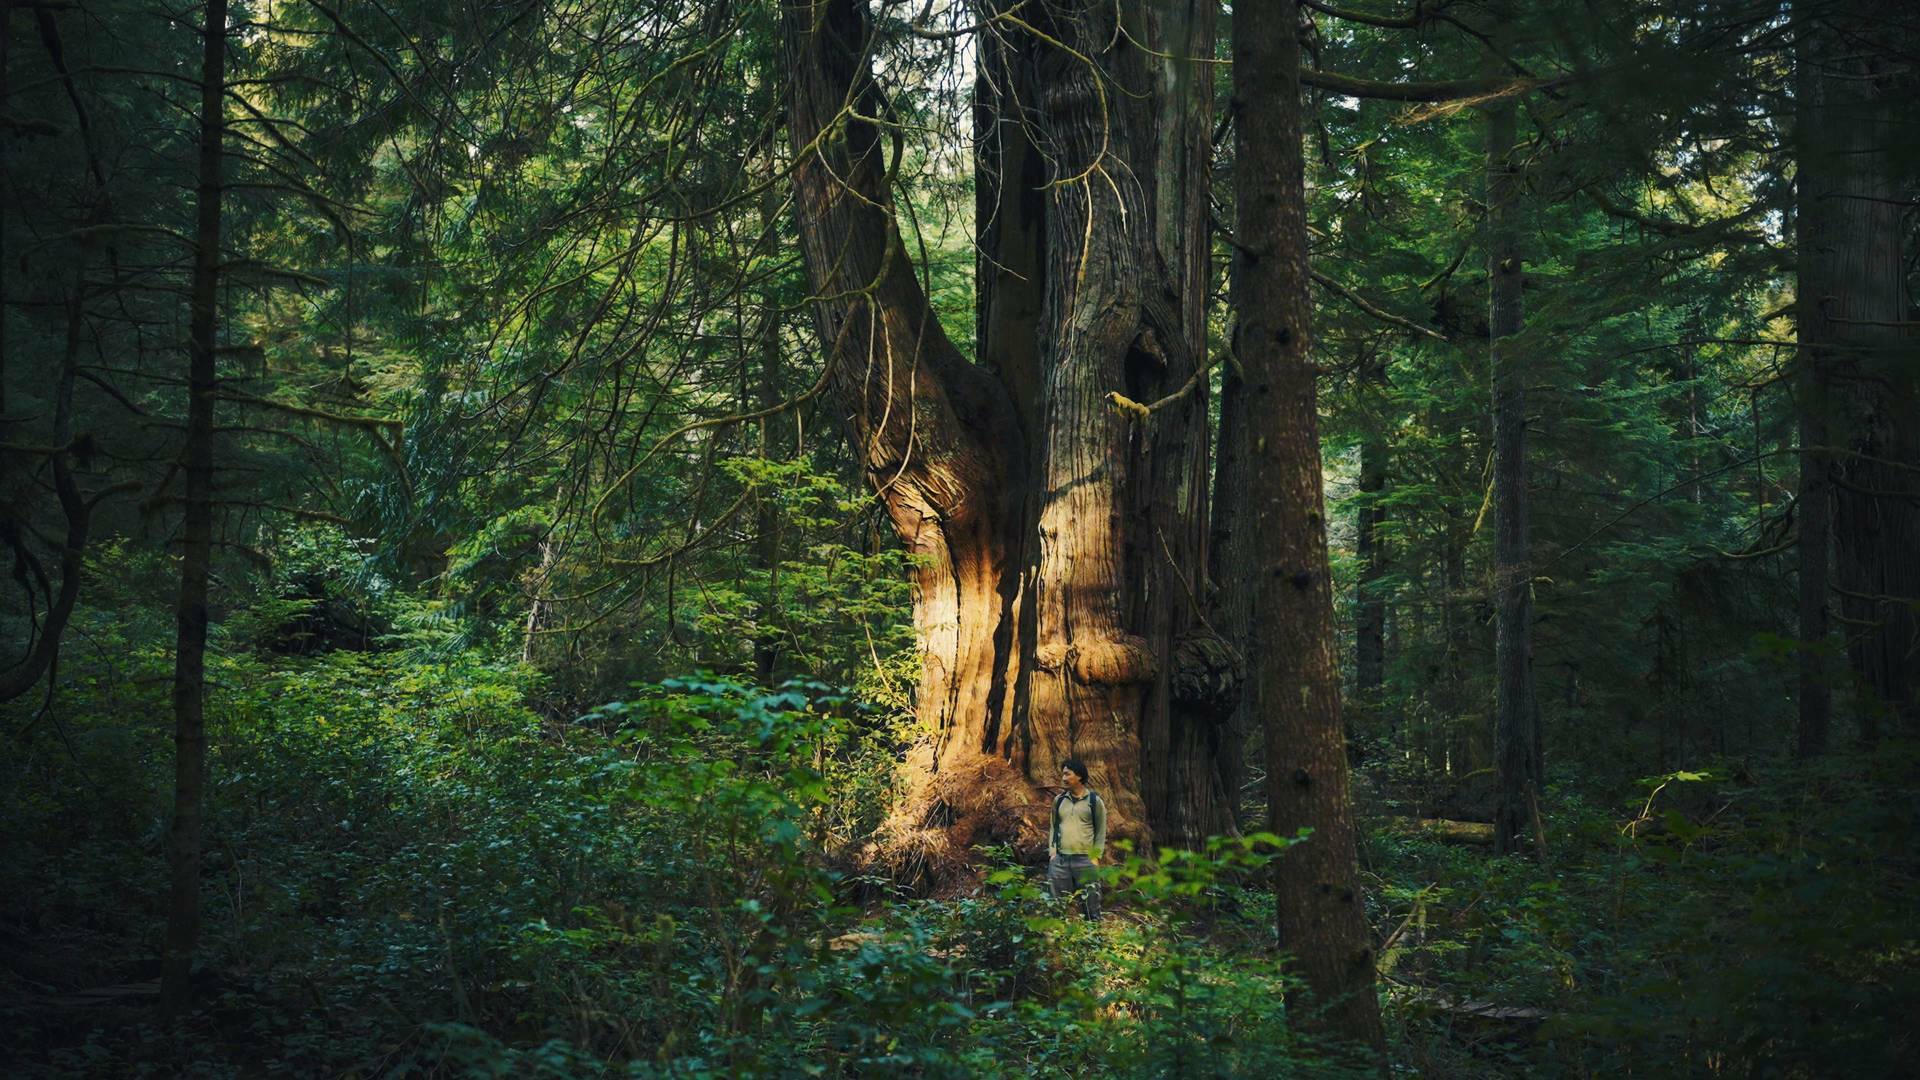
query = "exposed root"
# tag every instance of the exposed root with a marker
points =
(927, 844)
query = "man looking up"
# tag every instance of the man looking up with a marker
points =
(1077, 838)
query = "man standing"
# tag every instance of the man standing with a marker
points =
(1077, 838)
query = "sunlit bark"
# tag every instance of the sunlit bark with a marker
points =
(1058, 540)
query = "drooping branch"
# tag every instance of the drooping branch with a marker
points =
(1476, 91)
(45, 650)
(1378, 312)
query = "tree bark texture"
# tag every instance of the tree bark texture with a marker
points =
(1294, 679)
(1058, 542)
(1516, 736)
(1860, 378)
(190, 641)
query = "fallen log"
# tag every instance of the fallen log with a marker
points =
(1446, 830)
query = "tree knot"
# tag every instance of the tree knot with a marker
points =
(1114, 661)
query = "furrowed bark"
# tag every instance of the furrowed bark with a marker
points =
(1121, 656)
(1294, 678)
(1233, 548)
(190, 639)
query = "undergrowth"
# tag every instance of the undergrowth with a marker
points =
(411, 873)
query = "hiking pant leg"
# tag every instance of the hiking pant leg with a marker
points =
(1059, 876)
(1086, 878)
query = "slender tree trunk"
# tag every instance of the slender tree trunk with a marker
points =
(767, 528)
(190, 642)
(6, 169)
(1813, 504)
(539, 608)
(1445, 750)
(1516, 742)
(42, 659)
(1058, 540)
(1370, 603)
(1233, 548)
(1294, 679)
(1860, 382)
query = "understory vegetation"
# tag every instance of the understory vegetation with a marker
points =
(421, 870)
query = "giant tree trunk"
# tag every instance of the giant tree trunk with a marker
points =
(1294, 679)
(190, 640)
(1516, 735)
(1860, 380)
(1057, 540)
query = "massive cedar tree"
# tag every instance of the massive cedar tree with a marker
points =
(1059, 541)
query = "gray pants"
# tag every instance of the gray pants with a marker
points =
(1067, 874)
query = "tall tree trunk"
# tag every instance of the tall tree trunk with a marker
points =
(1445, 747)
(6, 169)
(1057, 540)
(767, 527)
(1860, 381)
(1232, 548)
(1120, 657)
(190, 641)
(1294, 679)
(1813, 503)
(1370, 604)
(1516, 742)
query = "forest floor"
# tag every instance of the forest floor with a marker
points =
(412, 874)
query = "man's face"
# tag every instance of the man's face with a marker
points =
(1069, 777)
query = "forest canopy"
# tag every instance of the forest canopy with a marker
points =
(581, 537)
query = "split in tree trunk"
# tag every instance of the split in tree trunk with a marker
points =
(1058, 542)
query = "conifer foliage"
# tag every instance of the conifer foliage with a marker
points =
(575, 537)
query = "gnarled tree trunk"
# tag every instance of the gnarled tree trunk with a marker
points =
(1058, 541)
